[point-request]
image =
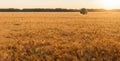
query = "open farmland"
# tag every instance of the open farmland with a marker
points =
(59, 36)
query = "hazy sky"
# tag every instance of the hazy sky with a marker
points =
(50, 4)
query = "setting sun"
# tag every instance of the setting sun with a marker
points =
(109, 4)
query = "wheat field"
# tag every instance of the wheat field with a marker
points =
(59, 36)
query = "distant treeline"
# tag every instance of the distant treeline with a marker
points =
(52, 10)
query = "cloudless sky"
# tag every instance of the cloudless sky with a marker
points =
(50, 4)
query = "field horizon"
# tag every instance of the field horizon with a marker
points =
(55, 10)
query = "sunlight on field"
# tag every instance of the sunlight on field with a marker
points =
(60, 36)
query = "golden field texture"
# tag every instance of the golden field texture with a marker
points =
(60, 36)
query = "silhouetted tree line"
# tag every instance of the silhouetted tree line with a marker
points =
(39, 10)
(52, 10)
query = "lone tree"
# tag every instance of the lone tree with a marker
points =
(83, 11)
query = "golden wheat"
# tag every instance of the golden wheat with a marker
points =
(60, 36)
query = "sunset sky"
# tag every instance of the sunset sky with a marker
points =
(107, 4)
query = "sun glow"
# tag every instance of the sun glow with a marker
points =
(109, 4)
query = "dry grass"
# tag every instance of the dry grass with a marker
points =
(60, 36)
